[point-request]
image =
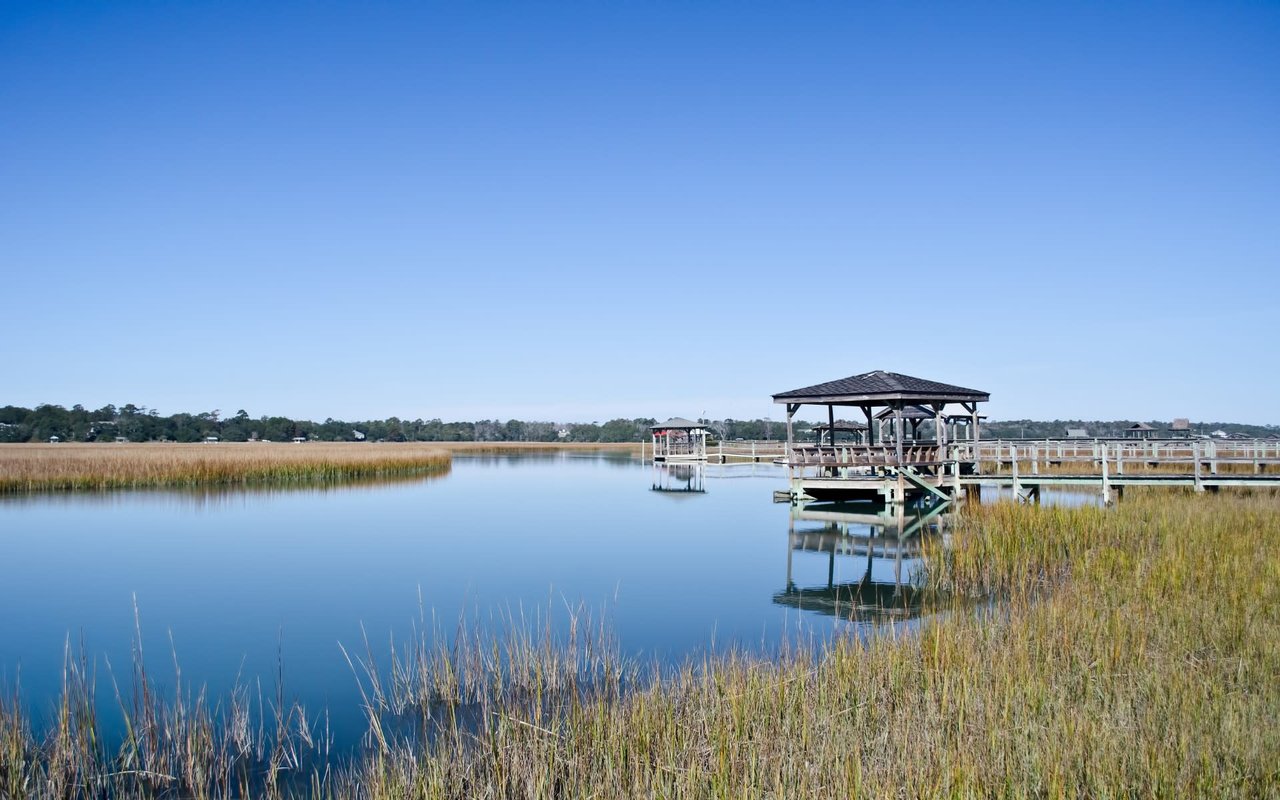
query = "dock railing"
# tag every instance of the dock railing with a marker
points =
(1260, 452)
(861, 455)
(748, 450)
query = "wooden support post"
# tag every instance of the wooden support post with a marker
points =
(792, 408)
(1195, 456)
(954, 462)
(1106, 478)
(899, 432)
(1013, 464)
(871, 438)
(831, 425)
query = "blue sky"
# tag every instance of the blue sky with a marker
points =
(577, 211)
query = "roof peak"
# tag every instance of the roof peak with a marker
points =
(881, 385)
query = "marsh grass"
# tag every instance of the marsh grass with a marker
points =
(67, 467)
(174, 744)
(1130, 652)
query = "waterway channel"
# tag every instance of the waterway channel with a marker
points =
(236, 583)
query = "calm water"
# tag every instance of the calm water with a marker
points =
(676, 561)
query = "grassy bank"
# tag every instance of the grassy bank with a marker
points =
(1130, 652)
(64, 467)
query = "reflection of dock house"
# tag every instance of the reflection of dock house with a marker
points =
(679, 480)
(885, 554)
(892, 465)
(679, 439)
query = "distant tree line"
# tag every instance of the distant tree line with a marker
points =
(141, 424)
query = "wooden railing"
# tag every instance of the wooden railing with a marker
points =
(752, 450)
(808, 455)
(1150, 450)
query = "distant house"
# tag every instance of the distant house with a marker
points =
(1139, 430)
(563, 433)
(1077, 433)
(357, 435)
(1180, 428)
(211, 439)
(299, 439)
(122, 439)
(1219, 434)
(54, 439)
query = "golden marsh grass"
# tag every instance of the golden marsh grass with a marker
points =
(62, 467)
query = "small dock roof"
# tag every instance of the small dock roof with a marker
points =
(910, 412)
(880, 388)
(677, 424)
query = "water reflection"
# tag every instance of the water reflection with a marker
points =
(874, 564)
(213, 497)
(679, 480)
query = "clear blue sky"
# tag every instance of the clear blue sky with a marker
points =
(577, 211)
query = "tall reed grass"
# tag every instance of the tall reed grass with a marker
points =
(63, 467)
(1127, 652)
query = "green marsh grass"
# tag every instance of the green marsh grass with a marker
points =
(1124, 652)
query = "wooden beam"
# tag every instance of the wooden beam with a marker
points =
(897, 414)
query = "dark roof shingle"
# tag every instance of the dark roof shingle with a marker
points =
(887, 385)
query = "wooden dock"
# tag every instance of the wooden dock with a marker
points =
(888, 460)
(746, 451)
(861, 472)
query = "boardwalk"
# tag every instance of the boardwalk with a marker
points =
(872, 472)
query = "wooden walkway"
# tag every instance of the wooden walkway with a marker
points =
(859, 472)
(746, 451)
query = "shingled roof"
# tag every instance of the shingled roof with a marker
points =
(676, 424)
(880, 386)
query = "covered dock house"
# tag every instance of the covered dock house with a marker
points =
(890, 465)
(1139, 430)
(679, 439)
(825, 433)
